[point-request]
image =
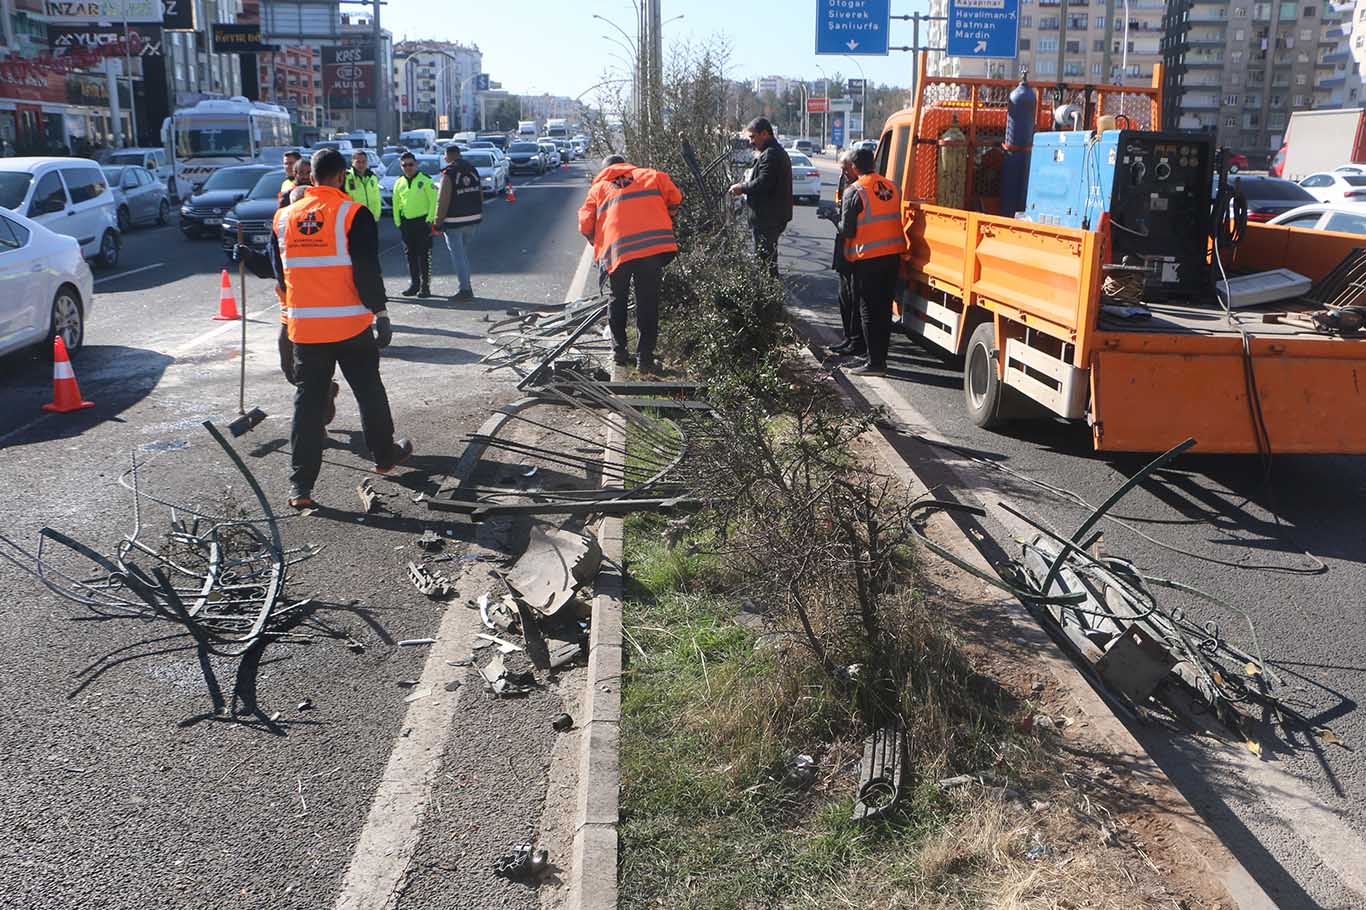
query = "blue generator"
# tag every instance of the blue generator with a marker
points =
(1156, 187)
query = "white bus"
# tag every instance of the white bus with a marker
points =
(219, 132)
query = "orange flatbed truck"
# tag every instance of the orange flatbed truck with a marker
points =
(1021, 303)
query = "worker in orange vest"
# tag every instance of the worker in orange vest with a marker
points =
(325, 249)
(628, 217)
(870, 223)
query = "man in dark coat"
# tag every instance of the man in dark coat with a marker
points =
(768, 191)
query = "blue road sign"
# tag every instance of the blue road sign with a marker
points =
(983, 28)
(837, 130)
(857, 27)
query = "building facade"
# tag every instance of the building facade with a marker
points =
(435, 84)
(1238, 68)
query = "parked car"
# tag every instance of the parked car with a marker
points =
(68, 196)
(566, 147)
(1350, 169)
(491, 176)
(156, 161)
(498, 139)
(1268, 197)
(1331, 186)
(46, 288)
(552, 154)
(869, 144)
(526, 157)
(141, 198)
(430, 165)
(1236, 161)
(806, 180)
(1349, 218)
(204, 211)
(805, 146)
(254, 214)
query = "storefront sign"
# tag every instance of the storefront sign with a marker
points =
(349, 76)
(140, 11)
(93, 91)
(22, 82)
(177, 15)
(238, 39)
(105, 40)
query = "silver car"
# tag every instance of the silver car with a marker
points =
(141, 198)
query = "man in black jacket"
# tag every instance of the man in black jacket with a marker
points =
(459, 209)
(768, 192)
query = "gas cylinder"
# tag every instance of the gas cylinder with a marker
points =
(1021, 110)
(951, 175)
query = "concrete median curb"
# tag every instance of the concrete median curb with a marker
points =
(1200, 841)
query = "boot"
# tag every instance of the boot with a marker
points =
(621, 357)
(411, 290)
(424, 292)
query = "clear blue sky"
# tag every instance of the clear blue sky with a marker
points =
(556, 46)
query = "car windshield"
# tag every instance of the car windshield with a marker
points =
(214, 142)
(800, 160)
(231, 178)
(481, 144)
(13, 189)
(268, 187)
(524, 147)
(1355, 181)
(114, 175)
(1274, 189)
(479, 160)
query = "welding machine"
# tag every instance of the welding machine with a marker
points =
(1155, 186)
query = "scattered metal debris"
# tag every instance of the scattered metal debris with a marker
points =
(431, 541)
(503, 682)
(415, 642)
(882, 774)
(305, 705)
(553, 566)
(801, 772)
(222, 578)
(562, 723)
(417, 696)
(524, 863)
(369, 498)
(432, 584)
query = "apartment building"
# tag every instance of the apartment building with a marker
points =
(1073, 41)
(1238, 68)
(435, 85)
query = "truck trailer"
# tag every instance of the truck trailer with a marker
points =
(1320, 141)
(1075, 308)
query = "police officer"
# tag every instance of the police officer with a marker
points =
(326, 251)
(414, 214)
(459, 210)
(291, 158)
(628, 217)
(303, 178)
(870, 223)
(361, 183)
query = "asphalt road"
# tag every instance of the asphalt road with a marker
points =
(1289, 551)
(137, 776)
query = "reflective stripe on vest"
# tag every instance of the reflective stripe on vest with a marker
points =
(321, 301)
(636, 243)
(878, 230)
(634, 194)
(632, 219)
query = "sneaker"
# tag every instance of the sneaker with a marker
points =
(620, 357)
(411, 290)
(465, 294)
(868, 369)
(399, 454)
(841, 348)
(301, 501)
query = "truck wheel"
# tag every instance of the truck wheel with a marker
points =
(983, 390)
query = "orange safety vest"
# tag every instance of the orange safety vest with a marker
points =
(321, 300)
(626, 214)
(878, 231)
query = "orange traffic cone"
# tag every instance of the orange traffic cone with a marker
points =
(66, 394)
(227, 304)
(511, 197)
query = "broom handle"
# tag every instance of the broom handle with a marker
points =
(242, 283)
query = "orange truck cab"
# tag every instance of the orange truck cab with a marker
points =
(1025, 303)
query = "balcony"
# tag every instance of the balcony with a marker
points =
(1215, 14)
(1206, 41)
(1336, 82)
(1194, 61)
(1335, 57)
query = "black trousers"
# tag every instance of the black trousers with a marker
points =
(766, 245)
(850, 317)
(417, 242)
(358, 358)
(646, 274)
(874, 284)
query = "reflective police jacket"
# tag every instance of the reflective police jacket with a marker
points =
(364, 190)
(414, 198)
(626, 215)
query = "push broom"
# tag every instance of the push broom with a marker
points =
(248, 420)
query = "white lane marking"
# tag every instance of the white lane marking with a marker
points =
(580, 279)
(145, 268)
(222, 329)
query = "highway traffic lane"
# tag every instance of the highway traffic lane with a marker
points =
(1220, 528)
(123, 782)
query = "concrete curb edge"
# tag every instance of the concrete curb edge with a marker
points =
(1200, 839)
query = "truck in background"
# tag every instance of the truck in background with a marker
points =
(526, 129)
(1050, 319)
(557, 128)
(417, 140)
(363, 139)
(1320, 141)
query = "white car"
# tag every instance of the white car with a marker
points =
(552, 153)
(155, 160)
(806, 180)
(491, 176)
(430, 165)
(46, 288)
(68, 196)
(1350, 169)
(1333, 186)
(1349, 218)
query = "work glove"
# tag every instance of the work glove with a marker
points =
(241, 252)
(384, 330)
(287, 355)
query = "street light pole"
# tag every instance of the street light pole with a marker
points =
(863, 99)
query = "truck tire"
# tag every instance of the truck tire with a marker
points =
(983, 391)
